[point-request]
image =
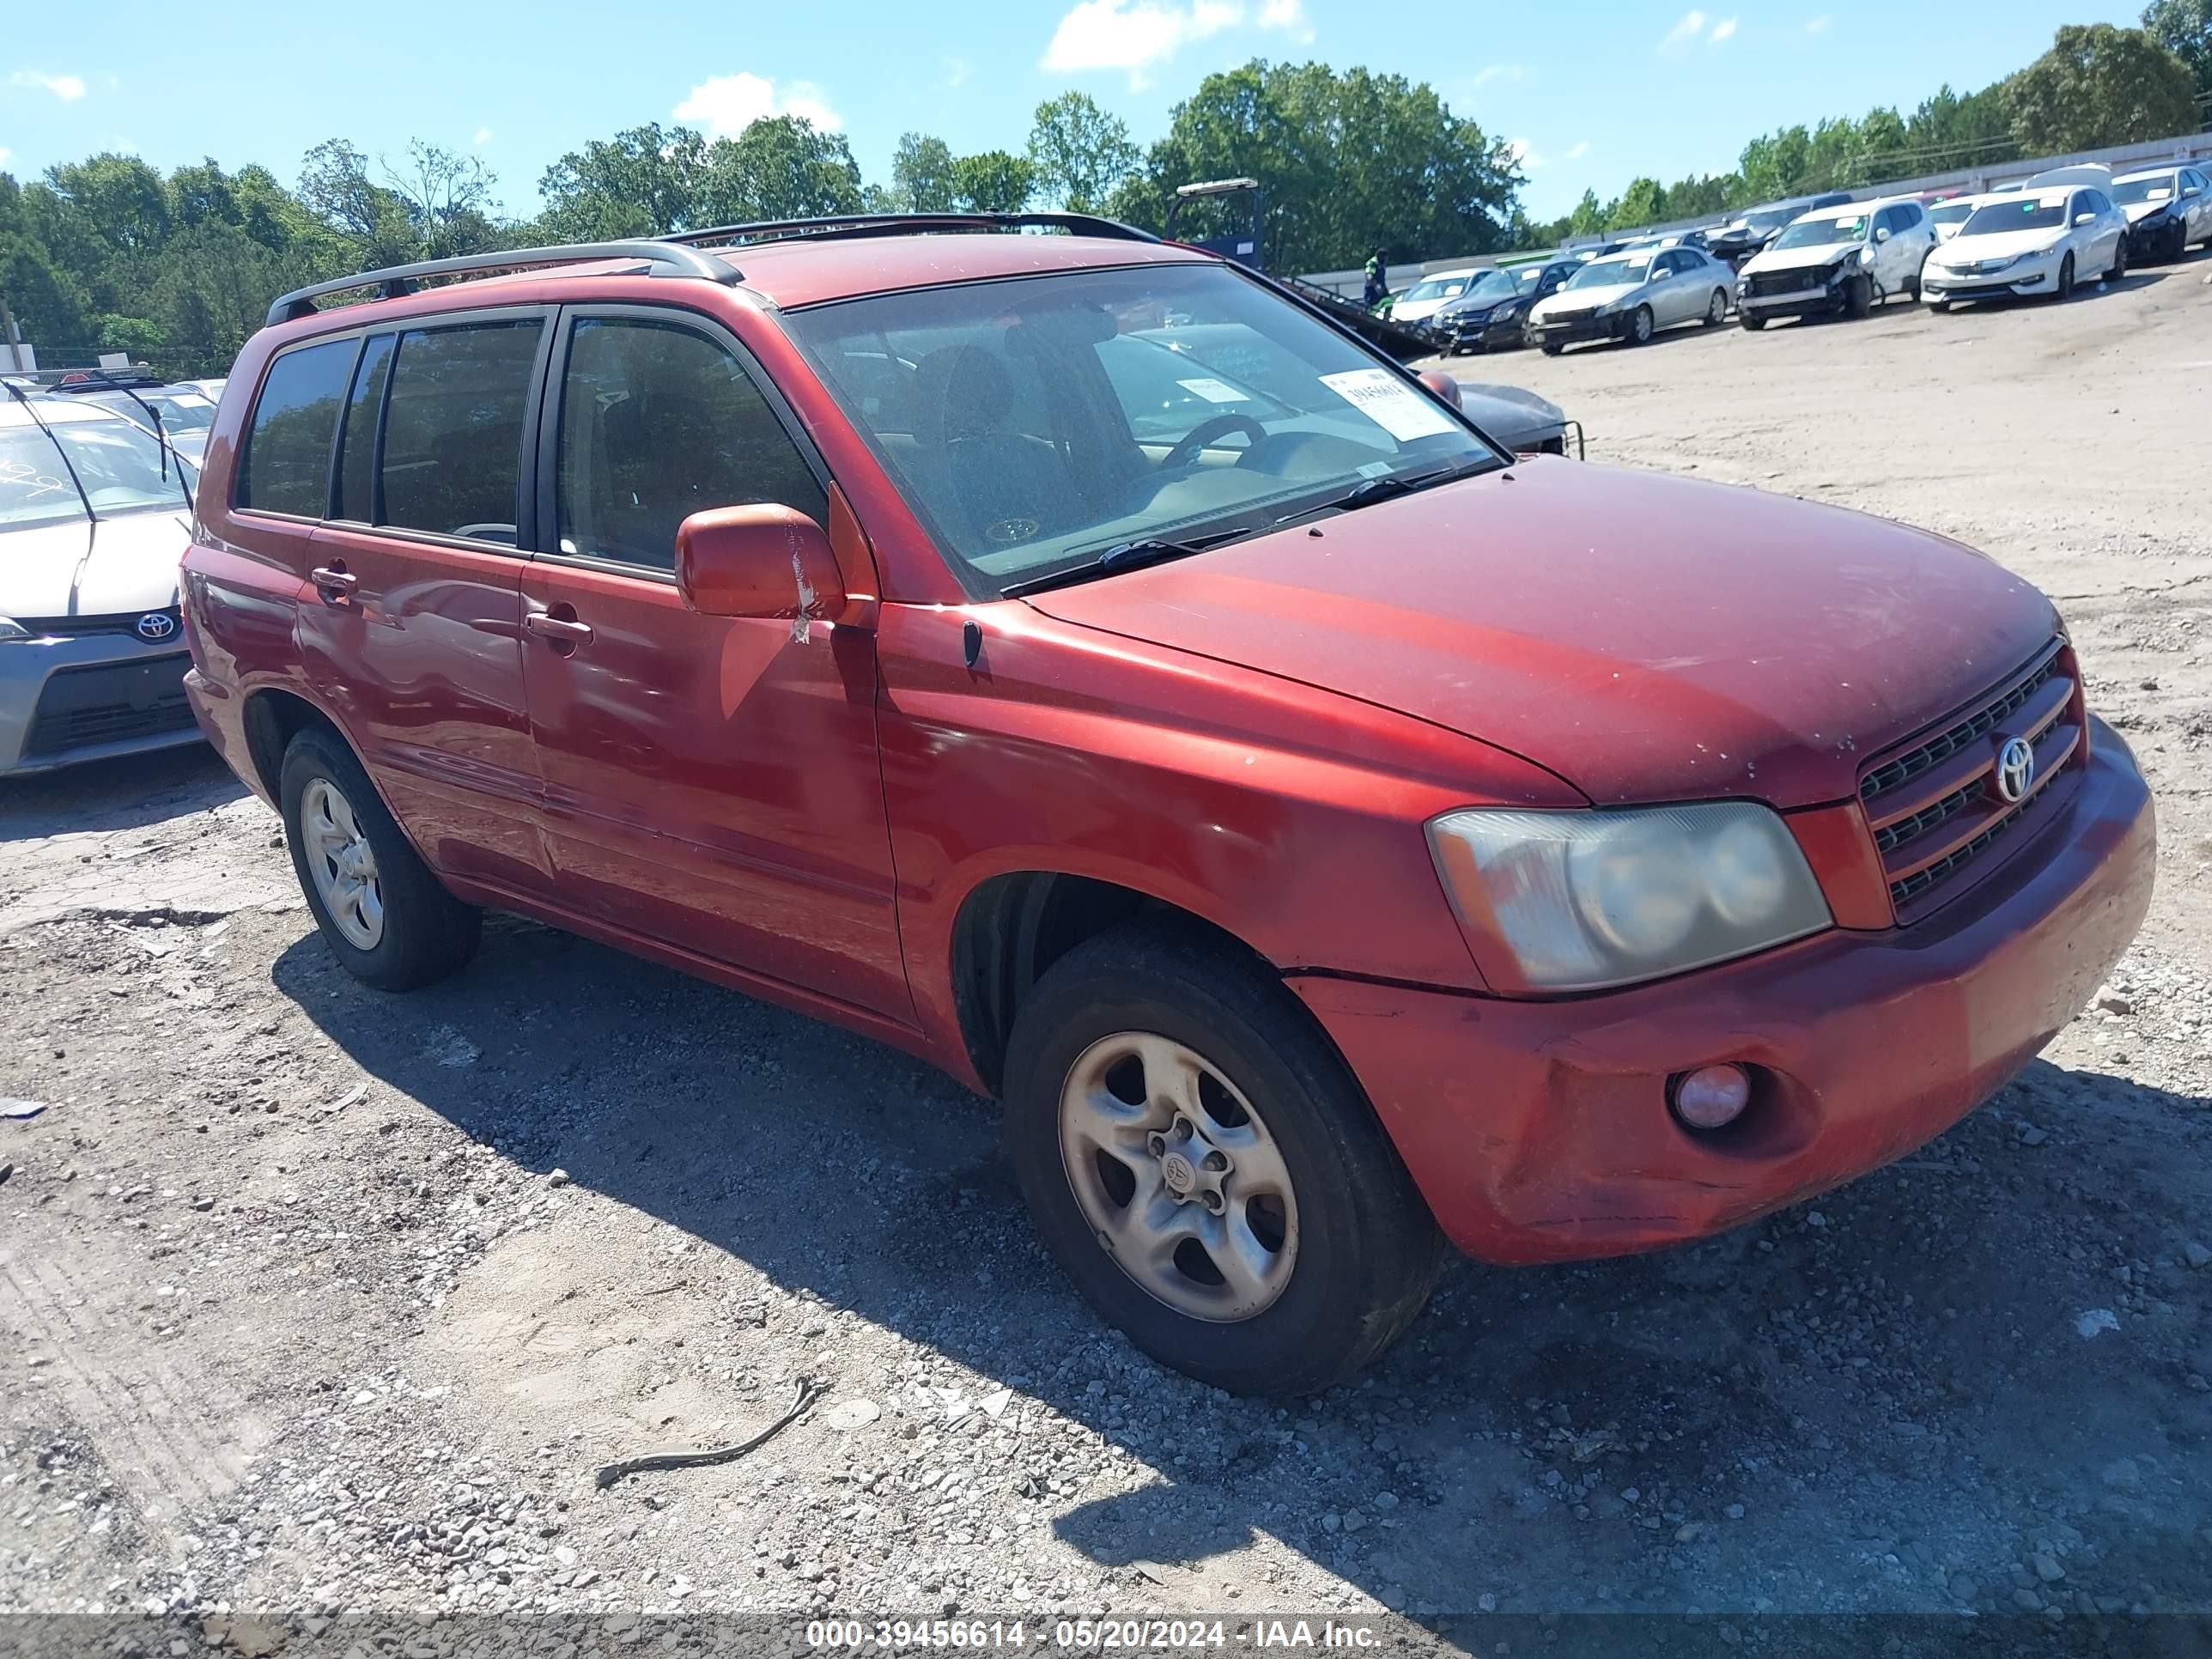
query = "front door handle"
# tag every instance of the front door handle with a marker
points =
(561, 630)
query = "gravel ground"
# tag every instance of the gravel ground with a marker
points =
(329, 1305)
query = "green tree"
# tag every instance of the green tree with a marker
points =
(643, 181)
(2183, 27)
(781, 167)
(49, 308)
(1644, 203)
(2099, 85)
(922, 174)
(1589, 217)
(992, 182)
(1080, 154)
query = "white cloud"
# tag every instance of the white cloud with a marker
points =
(67, 87)
(1818, 25)
(956, 71)
(725, 105)
(1692, 26)
(1137, 36)
(483, 135)
(1525, 154)
(1489, 72)
(1289, 16)
(1722, 30)
(1581, 149)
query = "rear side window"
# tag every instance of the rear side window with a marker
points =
(657, 421)
(287, 464)
(453, 430)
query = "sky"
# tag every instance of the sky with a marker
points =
(1593, 94)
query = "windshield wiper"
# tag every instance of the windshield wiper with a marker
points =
(1368, 491)
(1123, 556)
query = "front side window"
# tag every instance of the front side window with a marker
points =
(2094, 201)
(1025, 420)
(286, 467)
(453, 430)
(659, 422)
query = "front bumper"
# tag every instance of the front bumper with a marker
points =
(1567, 331)
(2023, 281)
(90, 697)
(1482, 336)
(1826, 295)
(1539, 1132)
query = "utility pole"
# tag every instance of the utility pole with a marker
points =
(15, 339)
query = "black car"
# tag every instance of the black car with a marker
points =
(1494, 310)
(1751, 230)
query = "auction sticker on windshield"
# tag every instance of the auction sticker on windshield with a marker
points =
(1215, 392)
(1389, 403)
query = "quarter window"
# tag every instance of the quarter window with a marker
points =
(657, 421)
(287, 464)
(453, 430)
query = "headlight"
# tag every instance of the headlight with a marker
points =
(12, 629)
(1585, 900)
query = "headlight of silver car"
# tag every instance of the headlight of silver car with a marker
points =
(1585, 900)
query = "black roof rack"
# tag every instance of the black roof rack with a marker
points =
(662, 258)
(910, 224)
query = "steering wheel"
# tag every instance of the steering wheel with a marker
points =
(1218, 426)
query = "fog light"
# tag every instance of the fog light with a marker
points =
(1713, 1097)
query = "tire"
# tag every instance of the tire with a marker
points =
(1639, 327)
(1859, 296)
(419, 933)
(2066, 279)
(1716, 311)
(1362, 1250)
(1749, 321)
(1940, 307)
(1552, 348)
(2119, 261)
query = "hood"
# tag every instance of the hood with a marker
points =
(2138, 211)
(1417, 310)
(1797, 258)
(1646, 638)
(2003, 245)
(84, 568)
(1517, 418)
(1583, 298)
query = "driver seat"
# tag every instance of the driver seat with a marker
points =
(1000, 487)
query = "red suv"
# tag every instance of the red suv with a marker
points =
(1066, 657)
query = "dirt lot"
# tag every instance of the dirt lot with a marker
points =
(328, 1304)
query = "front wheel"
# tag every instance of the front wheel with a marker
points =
(1752, 320)
(1859, 296)
(386, 916)
(1205, 1168)
(1716, 311)
(1639, 325)
(2066, 277)
(2119, 261)
(1552, 348)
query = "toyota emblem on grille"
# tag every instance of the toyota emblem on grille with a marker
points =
(2015, 768)
(157, 625)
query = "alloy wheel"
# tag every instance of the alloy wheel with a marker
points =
(1178, 1178)
(342, 864)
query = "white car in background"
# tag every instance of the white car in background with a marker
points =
(94, 514)
(1947, 216)
(2029, 243)
(2168, 208)
(1431, 295)
(1631, 296)
(1837, 260)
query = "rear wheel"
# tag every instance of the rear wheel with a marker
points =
(2066, 277)
(1639, 325)
(1205, 1168)
(387, 918)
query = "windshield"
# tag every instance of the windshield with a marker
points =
(2020, 214)
(120, 468)
(1824, 230)
(2157, 188)
(1435, 288)
(1949, 213)
(35, 486)
(1490, 286)
(1611, 273)
(1037, 423)
(180, 411)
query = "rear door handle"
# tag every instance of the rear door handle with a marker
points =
(333, 581)
(561, 630)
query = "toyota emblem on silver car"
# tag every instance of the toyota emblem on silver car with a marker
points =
(157, 625)
(2015, 767)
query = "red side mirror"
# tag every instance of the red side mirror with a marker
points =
(760, 560)
(1442, 384)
